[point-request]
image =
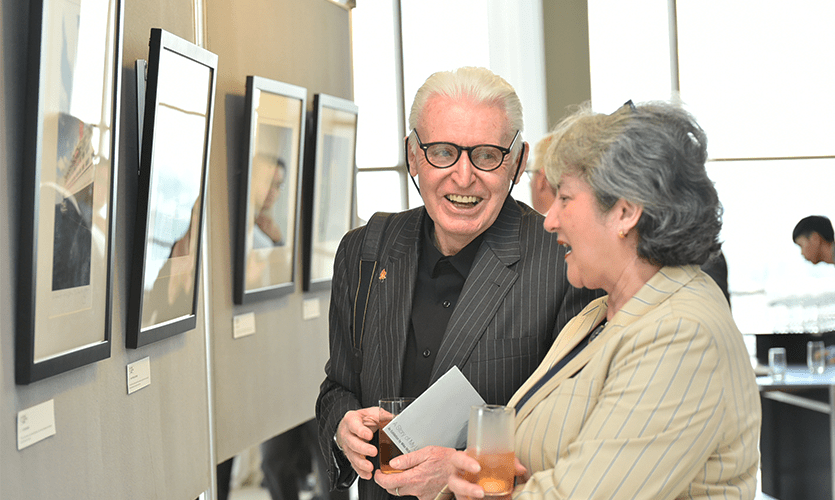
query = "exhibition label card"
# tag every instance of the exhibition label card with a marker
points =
(243, 325)
(438, 417)
(139, 375)
(35, 424)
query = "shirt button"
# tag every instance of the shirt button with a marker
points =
(447, 304)
(427, 353)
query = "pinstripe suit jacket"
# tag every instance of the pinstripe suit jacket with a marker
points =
(514, 302)
(662, 404)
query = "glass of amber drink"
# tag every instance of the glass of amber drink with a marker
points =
(490, 440)
(389, 408)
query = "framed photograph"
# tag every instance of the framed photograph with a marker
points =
(68, 192)
(270, 190)
(176, 138)
(329, 186)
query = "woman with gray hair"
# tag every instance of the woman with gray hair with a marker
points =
(648, 393)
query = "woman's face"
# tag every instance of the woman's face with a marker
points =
(586, 233)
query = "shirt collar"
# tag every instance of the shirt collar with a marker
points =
(462, 261)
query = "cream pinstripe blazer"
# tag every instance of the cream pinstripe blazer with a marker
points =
(662, 404)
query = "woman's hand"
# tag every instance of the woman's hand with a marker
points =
(465, 464)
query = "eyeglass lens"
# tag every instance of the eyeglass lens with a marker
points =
(444, 154)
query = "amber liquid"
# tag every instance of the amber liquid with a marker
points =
(497, 473)
(388, 450)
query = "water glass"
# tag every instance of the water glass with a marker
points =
(816, 357)
(491, 441)
(389, 408)
(777, 363)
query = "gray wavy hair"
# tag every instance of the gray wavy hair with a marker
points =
(653, 155)
(479, 85)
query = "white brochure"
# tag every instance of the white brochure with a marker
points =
(438, 417)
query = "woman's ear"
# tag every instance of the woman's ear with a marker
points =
(627, 214)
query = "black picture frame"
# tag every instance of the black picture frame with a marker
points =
(176, 143)
(269, 205)
(329, 186)
(68, 192)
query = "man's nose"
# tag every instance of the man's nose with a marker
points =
(464, 170)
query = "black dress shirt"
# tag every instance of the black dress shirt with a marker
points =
(440, 280)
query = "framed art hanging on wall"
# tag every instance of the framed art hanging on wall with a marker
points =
(329, 186)
(64, 304)
(268, 208)
(176, 140)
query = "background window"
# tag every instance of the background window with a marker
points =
(758, 76)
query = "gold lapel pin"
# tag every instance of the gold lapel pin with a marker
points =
(382, 275)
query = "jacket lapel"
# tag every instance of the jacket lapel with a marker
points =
(663, 284)
(488, 283)
(573, 333)
(395, 299)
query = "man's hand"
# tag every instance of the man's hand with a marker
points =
(424, 475)
(353, 434)
(461, 462)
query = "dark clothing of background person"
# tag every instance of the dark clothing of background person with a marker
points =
(717, 268)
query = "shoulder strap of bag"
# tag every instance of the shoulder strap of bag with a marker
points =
(374, 231)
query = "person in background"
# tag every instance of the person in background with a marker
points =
(813, 235)
(542, 192)
(648, 393)
(470, 279)
(717, 268)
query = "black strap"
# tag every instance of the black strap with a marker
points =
(557, 367)
(374, 231)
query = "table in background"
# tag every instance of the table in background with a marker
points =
(798, 434)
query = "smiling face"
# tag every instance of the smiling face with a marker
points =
(589, 235)
(462, 200)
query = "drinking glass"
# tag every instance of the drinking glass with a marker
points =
(389, 408)
(816, 357)
(777, 363)
(490, 440)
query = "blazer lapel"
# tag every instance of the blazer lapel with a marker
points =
(488, 283)
(572, 334)
(663, 284)
(395, 298)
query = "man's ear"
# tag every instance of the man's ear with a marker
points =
(540, 181)
(411, 158)
(524, 165)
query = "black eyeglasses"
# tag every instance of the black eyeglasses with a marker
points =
(485, 157)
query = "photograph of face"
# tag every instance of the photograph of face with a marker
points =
(270, 224)
(269, 191)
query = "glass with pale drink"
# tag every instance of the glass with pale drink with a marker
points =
(389, 408)
(491, 441)
(816, 357)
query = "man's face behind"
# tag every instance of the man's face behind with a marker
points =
(810, 247)
(462, 200)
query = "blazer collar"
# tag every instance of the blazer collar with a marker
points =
(661, 286)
